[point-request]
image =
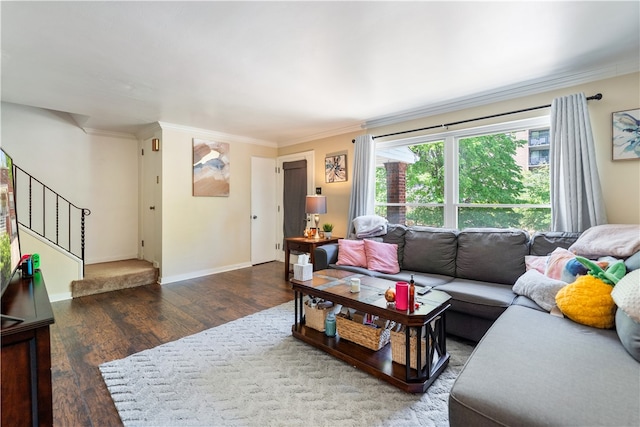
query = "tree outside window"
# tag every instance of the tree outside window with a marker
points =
(495, 185)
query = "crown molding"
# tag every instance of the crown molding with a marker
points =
(226, 137)
(531, 87)
(356, 127)
(148, 131)
(111, 134)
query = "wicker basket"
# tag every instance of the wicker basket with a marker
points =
(366, 336)
(315, 317)
(399, 350)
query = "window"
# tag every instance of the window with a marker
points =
(493, 176)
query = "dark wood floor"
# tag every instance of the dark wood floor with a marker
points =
(91, 330)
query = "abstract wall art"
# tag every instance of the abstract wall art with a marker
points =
(210, 168)
(335, 168)
(626, 135)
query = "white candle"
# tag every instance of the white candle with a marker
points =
(355, 285)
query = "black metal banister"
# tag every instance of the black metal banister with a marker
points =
(44, 214)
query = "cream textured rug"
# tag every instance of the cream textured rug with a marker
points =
(252, 372)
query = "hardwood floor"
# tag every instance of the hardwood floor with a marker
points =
(91, 330)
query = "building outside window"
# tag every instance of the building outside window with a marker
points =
(490, 176)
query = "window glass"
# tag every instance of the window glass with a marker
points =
(494, 179)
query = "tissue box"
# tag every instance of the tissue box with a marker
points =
(302, 272)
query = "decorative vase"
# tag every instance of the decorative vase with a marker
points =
(327, 234)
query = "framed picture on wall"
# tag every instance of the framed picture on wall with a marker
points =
(210, 168)
(335, 168)
(626, 135)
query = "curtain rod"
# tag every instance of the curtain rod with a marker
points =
(597, 96)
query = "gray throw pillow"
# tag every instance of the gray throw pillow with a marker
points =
(538, 287)
(629, 333)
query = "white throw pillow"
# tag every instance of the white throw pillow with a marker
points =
(626, 294)
(539, 288)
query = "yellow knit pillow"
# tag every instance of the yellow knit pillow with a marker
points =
(588, 301)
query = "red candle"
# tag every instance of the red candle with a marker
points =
(402, 295)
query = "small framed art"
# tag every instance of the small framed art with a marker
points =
(335, 168)
(626, 135)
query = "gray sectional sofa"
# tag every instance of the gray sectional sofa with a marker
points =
(476, 266)
(529, 367)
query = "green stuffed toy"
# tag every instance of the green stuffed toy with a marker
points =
(588, 300)
(611, 275)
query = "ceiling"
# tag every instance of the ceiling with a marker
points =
(286, 72)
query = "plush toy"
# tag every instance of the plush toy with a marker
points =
(588, 299)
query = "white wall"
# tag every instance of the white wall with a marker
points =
(620, 179)
(204, 235)
(99, 172)
(58, 268)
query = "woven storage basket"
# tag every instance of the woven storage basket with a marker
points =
(366, 336)
(399, 350)
(315, 317)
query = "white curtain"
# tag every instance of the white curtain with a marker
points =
(363, 182)
(576, 195)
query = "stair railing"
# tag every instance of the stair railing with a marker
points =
(50, 215)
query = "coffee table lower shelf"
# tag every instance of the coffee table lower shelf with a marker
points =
(377, 363)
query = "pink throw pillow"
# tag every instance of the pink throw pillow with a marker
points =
(557, 261)
(538, 263)
(351, 252)
(382, 257)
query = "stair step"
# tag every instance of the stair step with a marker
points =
(112, 276)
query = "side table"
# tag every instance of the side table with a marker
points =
(303, 244)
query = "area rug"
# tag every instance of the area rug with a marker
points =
(252, 372)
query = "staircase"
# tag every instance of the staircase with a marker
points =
(112, 276)
(61, 224)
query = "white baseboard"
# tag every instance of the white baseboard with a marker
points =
(201, 273)
(60, 297)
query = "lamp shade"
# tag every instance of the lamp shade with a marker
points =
(316, 205)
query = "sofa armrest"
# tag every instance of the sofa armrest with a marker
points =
(325, 255)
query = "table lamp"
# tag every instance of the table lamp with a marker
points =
(316, 205)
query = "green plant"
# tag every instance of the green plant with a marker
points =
(327, 227)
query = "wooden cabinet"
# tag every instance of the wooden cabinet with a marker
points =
(26, 354)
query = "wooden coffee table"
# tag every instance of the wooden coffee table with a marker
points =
(333, 285)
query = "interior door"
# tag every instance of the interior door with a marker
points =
(309, 156)
(263, 210)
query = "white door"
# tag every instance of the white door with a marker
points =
(150, 209)
(263, 210)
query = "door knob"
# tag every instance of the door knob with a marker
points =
(255, 217)
(153, 208)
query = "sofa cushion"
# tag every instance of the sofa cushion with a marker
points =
(532, 368)
(492, 254)
(481, 299)
(382, 257)
(543, 243)
(358, 270)
(351, 252)
(421, 279)
(527, 302)
(395, 235)
(430, 250)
